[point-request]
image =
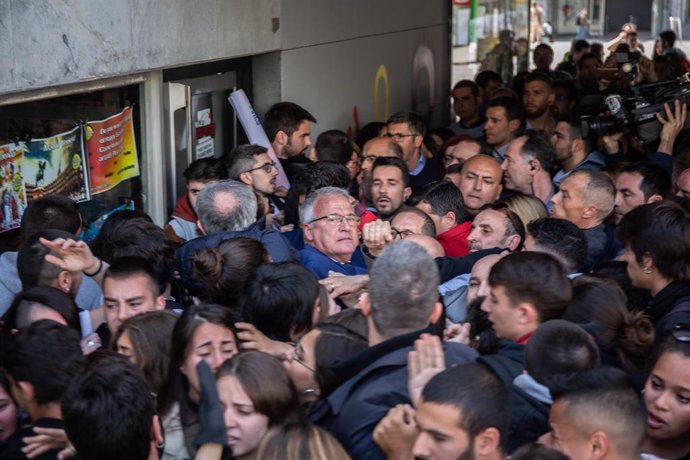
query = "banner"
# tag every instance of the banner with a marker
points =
(111, 151)
(255, 132)
(55, 165)
(12, 191)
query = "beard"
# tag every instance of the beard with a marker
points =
(292, 151)
(536, 113)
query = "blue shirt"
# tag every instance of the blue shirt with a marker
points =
(320, 264)
(420, 166)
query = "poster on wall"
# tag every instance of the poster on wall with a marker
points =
(55, 165)
(12, 190)
(111, 150)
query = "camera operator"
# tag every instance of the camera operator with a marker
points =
(628, 35)
(626, 147)
(588, 83)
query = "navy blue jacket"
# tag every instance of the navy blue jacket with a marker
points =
(354, 409)
(277, 246)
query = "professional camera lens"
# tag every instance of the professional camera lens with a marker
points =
(600, 126)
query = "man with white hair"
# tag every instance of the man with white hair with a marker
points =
(227, 209)
(329, 223)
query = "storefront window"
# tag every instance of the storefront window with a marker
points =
(491, 35)
(86, 146)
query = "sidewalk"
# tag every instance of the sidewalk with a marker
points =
(461, 67)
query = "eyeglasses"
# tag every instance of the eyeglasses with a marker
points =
(266, 167)
(292, 356)
(351, 219)
(681, 332)
(397, 137)
(402, 234)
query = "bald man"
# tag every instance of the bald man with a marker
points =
(429, 244)
(480, 182)
(586, 198)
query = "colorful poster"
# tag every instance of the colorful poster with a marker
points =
(55, 165)
(12, 191)
(112, 151)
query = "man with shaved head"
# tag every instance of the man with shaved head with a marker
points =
(586, 198)
(430, 245)
(480, 182)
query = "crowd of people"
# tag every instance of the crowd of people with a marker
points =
(507, 286)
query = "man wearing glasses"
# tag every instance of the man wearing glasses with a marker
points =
(330, 233)
(251, 165)
(382, 146)
(407, 129)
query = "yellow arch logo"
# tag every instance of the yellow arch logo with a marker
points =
(381, 75)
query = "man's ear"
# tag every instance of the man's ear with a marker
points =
(407, 191)
(200, 226)
(599, 443)
(647, 261)
(654, 198)
(436, 313)
(365, 303)
(578, 145)
(513, 125)
(160, 302)
(499, 189)
(64, 281)
(449, 218)
(308, 234)
(590, 212)
(513, 242)
(27, 391)
(527, 314)
(246, 178)
(418, 140)
(281, 137)
(487, 443)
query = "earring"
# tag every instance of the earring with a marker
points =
(647, 270)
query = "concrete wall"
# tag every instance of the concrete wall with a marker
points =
(50, 42)
(332, 51)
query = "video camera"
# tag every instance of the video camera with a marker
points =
(627, 66)
(637, 113)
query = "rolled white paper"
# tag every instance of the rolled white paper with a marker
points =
(255, 131)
